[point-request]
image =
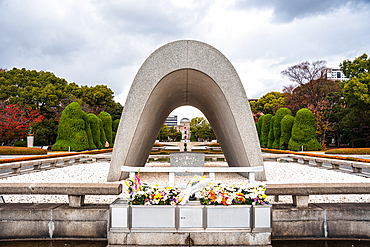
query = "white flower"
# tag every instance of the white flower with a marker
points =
(219, 199)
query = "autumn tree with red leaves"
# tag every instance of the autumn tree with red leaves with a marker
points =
(311, 91)
(15, 120)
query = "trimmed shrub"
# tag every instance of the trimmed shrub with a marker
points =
(214, 145)
(6, 150)
(107, 126)
(115, 124)
(20, 143)
(286, 131)
(88, 131)
(303, 132)
(259, 126)
(271, 137)
(103, 137)
(71, 130)
(276, 151)
(53, 155)
(280, 114)
(95, 129)
(265, 130)
(355, 151)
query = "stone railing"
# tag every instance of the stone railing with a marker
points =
(16, 167)
(301, 192)
(335, 163)
(76, 191)
(211, 170)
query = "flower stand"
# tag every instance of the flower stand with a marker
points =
(190, 217)
(262, 218)
(228, 217)
(153, 218)
(119, 215)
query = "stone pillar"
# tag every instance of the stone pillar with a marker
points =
(30, 141)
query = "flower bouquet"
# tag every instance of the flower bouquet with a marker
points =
(236, 194)
(143, 194)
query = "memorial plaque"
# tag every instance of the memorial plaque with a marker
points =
(187, 159)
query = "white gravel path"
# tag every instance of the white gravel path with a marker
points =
(97, 173)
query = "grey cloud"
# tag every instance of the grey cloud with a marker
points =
(288, 10)
(153, 18)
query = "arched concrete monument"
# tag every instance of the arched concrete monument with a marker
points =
(186, 72)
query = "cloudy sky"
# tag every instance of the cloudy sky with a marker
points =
(105, 42)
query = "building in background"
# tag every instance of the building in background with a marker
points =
(335, 75)
(184, 128)
(171, 121)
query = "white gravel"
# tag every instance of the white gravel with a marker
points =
(97, 173)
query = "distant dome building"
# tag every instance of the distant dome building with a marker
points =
(184, 128)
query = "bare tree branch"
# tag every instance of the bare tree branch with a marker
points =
(305, 72)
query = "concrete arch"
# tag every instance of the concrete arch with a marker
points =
(186, 72)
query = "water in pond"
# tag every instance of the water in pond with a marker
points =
(275, 243)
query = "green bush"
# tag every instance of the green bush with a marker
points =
(46, 132)
(95, 123)
(359, 143)
(88, 131)
(103, 138)
(286, 131)
(20, 143)
(280, 114)
(265, 130)
(303, 132)
(259, 126)
(71, 130)
(107, 126)
(271, 137)
(115, 124)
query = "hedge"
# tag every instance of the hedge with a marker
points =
(95, 123)
(88, 131)
(107, 126)
(20, 143)
(271, 137)
(214, 145)
(275, 151)
(6, 150)
(158, 144)
(286, 131)
(265, 130)
(259, 126)
(72, 130)
(103, 138)
(280, 114)
(360, 151)
(303, 132)
(115, 124)
(55, 155)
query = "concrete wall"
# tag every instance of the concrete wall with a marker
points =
(320, 220)
(49, 220)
